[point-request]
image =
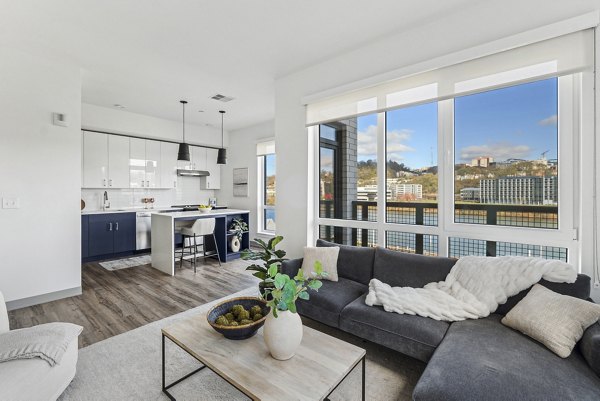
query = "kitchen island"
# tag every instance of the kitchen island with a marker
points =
(163, 235)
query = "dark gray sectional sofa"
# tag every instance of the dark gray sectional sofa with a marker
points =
(469, 360)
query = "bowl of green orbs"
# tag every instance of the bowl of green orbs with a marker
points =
(238, 318)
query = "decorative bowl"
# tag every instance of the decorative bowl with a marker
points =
(237, 332)
(205, 209)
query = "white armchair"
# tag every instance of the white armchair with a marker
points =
(34, 379)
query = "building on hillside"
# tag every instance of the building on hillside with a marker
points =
(470, 194)
(519, 190)
(402, 191)
(482, 161)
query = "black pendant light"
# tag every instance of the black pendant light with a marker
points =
(222, 155)
(184, 148)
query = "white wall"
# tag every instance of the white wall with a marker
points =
(124, 122)
(40, 163)
(242, 153)
(480, 24)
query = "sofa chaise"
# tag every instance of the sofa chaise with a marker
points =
(468, 360)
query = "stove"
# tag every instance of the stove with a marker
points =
(191, 208)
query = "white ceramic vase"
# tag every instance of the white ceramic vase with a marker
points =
(283, 334)
(235, 244)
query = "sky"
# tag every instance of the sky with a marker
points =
(271, 165)
(514, 122)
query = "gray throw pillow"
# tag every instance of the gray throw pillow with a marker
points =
(555, 320)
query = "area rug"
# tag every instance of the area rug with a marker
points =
(126, 263)
(128, 367)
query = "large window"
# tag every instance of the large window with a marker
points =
(506, 167)
(471, 175)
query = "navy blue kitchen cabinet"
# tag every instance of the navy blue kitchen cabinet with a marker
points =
(110, 234)
(124, 230)
(84, 236)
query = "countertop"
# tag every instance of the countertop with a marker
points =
(212, 213)
(155, 209)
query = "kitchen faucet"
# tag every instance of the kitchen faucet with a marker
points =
(106, 203)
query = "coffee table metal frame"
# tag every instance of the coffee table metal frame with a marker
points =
(166, 387)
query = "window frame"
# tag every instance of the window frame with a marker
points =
(570, 90)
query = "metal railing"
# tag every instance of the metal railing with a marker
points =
(426, 213)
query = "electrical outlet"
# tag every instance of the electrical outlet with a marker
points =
(11, 203)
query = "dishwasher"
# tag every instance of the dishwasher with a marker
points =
(143, 230)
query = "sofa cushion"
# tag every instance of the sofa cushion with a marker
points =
(35, 380)
(579, 289)
(400, 269)
(484, 360)
(354, 262)
(326, 304)
(411, 335)
(590, 347)
(327, 256)
(557, 321)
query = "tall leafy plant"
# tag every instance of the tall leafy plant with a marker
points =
(286, 290)
(268, 255)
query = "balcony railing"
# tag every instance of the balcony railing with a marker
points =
(426, 213)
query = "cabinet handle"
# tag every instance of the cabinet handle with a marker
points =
(117, 226)
(109, 226)
(175, 184)
(110, 182)
(104, 182)
(142, 183)
(147, 184)
(207, 184)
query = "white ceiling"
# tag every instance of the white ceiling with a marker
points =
(148, 54)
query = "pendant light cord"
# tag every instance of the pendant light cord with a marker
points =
(222, 129)
(183, 103)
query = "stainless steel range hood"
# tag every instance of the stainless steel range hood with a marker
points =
(192, 173)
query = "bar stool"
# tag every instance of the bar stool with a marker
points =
(200, 228)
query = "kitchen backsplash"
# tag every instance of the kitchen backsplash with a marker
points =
(187, 192)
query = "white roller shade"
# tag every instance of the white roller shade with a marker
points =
(553, 57)
(265, 148)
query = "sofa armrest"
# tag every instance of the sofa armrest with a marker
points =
(590, 347)
(291, 267)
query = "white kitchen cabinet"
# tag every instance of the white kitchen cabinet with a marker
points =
(198, 156)
(144, 163)
(213, 181)
(152, 164)
(95, 160)
(168, 164)
(118, 161)
(137, 163)
(105, 161)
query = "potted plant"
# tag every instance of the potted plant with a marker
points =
(283, 326)
(269, 256)
(238, 227)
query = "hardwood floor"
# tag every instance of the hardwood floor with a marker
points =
(114, 302)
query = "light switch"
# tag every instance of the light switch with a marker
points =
(11, 203)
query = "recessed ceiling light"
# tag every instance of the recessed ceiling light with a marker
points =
(118, 106)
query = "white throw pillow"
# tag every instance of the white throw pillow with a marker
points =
(557, 321)
(327, 255)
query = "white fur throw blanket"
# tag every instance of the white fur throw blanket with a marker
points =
(473, 289)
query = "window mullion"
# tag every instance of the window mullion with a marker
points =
(445, 172)
(381, 178)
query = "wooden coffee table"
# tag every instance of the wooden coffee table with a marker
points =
(321, 363)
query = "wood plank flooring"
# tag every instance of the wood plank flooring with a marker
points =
(114, 302)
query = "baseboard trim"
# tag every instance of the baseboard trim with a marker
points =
(40, 299)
